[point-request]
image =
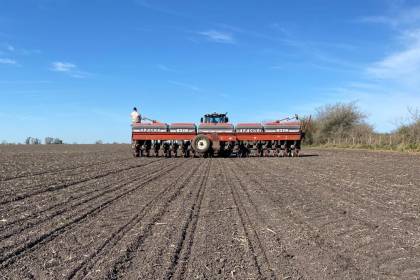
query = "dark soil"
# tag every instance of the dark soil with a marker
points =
(95, 212)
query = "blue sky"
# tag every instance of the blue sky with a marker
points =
(75, 68)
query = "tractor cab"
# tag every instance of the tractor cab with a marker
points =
(215, 123)
(215, 118)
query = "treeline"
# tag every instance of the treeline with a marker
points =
(47, 141)
(36, 141)
(344, 125)
(51, 141)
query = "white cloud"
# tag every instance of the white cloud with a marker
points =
(10, 48)
(218, 36)
(28, 51)
(8, 61)
(184, 85)
(397, 17)
(379, 19)
(403, 66)
(7, 47)
(390, 85)
(68, 68)
(164, 68)
(278, 27)
(24, 82)
(63, 66)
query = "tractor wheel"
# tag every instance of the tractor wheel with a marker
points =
(201, 144)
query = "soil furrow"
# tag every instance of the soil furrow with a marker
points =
(39, 217)
(123, 264)
(183, 247)
(54, 187)
(369, 220)
(10, 257)
(18, 188)
(287, 270)
(262, 263)
(79, 193)
(54, 171)
(220, 249)
(103, 250)
(331, 253)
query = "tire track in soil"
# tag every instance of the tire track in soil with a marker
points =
(9, 258)
(379, 242)
(54, 171)
(331, 253)
(155, 255)
(185, 242)
(100, 191)
(220, 249)
(123, 264)
(259, 254)
(287, 269)
(180, 182)
(53, 187)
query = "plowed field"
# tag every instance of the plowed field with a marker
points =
(95, 212)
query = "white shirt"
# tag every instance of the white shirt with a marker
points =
(135, 117)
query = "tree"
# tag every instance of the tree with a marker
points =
(309, 129)
(339, 120)
(99, 142)
(48, 140)
(51, 140)
(411, 132)
(32, 141)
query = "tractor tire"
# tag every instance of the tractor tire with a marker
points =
(201, 144)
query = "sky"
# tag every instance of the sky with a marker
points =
(74, 69)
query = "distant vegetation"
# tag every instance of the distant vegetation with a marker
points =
(100, 142)
(51, 140)
(344, 125)
(32, 141)
(37, 141)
